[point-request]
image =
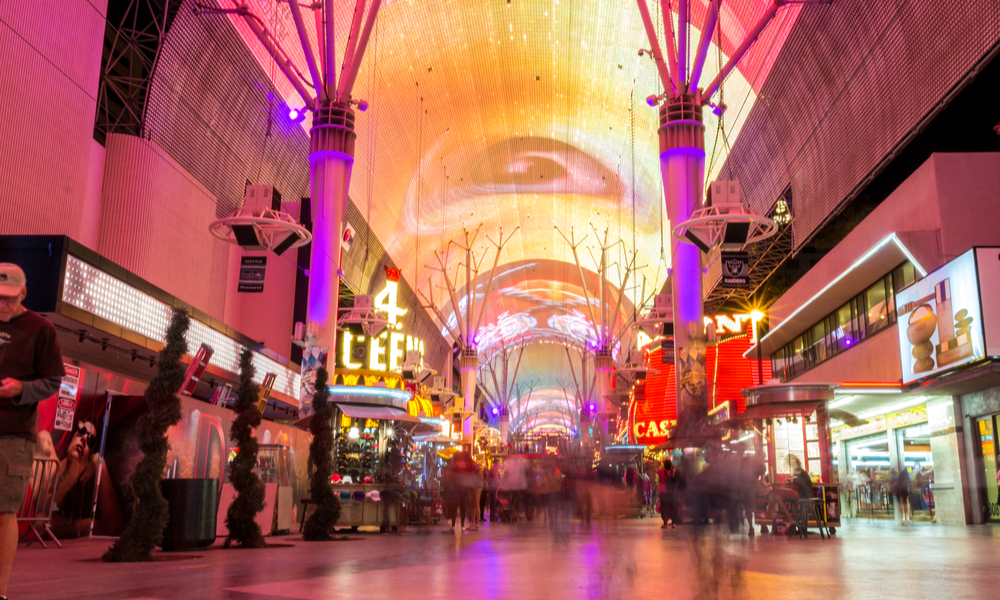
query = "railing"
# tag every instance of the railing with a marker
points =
(876, 499)
(873, 499)
(39, 500)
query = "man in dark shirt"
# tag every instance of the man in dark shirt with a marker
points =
(30, 371)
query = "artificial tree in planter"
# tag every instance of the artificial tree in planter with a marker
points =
(319, 526)
(149, 509)
(242, 514)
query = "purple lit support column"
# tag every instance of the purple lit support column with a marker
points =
(605, 385)
(470, 370)
(331, 158)
(682, 162)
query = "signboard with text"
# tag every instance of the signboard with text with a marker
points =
(735, 269)
(252, 274)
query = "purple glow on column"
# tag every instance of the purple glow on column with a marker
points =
(330, 178)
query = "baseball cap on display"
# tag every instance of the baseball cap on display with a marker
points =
(11, 279)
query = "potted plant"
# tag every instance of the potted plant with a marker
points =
(319, 526)
(149, 509)
(242, 513)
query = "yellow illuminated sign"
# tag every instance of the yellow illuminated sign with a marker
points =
(387, 351)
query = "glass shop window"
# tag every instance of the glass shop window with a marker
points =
(818, 347)
(903, 275)
(878, 308)
(845, 332)
(797, 358)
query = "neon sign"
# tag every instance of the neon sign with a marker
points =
(646, 429)
(387, 351)
(724, 325)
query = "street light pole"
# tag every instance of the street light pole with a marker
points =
(757, 316)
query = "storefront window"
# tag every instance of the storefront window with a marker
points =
(987, 444)
(878, 309)
(845, 330)
(818, 349)
(903, 275)
(870, 311)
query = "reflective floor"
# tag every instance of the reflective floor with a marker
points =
(616, 559)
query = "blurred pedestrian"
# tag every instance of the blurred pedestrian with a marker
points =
(667, 476)
(514, 482)
(484, 494)
(901, 488)
(493, 483)
(450, 493)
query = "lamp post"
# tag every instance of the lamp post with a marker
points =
(756, 316)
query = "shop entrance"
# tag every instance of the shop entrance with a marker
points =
(914, 445)
(987, 427)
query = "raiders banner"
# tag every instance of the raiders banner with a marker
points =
(735, 270)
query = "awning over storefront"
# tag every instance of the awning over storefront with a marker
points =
(433, 439)
(377, 413)
(777, 411)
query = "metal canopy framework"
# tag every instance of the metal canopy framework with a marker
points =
(527, 111)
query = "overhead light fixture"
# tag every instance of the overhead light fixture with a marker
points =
(841, 402)
(296, 114)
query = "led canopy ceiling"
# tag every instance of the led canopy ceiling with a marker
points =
(526, 113)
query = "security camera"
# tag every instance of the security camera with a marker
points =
(652, 100)
(363, 105)
(641, 51)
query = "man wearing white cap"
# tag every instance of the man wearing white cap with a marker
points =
(31, 368)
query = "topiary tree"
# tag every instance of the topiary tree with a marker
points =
(147, 506)
(319, 526)
(242, 514)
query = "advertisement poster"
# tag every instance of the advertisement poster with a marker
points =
(313, 357)
(69, 394)
(988, 264)
(940, 320)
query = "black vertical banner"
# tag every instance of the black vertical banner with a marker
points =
(735, 269)
(252, 274)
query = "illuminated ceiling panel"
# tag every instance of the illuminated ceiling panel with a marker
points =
(521, 114)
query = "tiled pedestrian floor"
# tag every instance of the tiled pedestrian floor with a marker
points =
(617, 559)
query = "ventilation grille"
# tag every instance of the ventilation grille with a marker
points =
(853, 80)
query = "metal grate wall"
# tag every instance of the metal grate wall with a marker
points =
(852, 82)
(208, 108)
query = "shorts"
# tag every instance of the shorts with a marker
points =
(16, 457)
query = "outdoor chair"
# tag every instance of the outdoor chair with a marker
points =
(39, 501)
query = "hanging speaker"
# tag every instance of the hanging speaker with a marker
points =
(286, 243)
(697, 241)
